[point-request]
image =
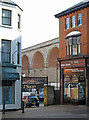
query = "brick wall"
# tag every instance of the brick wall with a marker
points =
(38, 61)
(25, 63)
(84, 28)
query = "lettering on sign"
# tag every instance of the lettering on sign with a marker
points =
(74, 70)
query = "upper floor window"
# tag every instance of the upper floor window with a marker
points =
(79, 20)
(6, 17)
(19, 21)
(73, 46)
(6, 51)
(72, 21)
(18, 52)
(67, 23)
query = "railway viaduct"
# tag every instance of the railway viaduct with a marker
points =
(41, 60)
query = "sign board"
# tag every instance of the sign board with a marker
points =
(73, 63)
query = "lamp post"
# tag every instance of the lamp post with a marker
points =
(57, 75)
(22, 102)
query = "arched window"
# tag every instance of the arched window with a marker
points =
(73, 43)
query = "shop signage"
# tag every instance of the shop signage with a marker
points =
(73, 63)
(73, 70)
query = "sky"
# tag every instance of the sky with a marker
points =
(38, 21)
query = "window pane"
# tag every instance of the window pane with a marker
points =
(6, 47)
(79, 50)
(67, 48)
(67, 23)
(6, 21)
(67, 42)
(19, 19)
(78, 40)
(73, 21)
(6, 17)
(74, 49)
(70, 50)
(70, 41)
(74, 40)
(79, 19)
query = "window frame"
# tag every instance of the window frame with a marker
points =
(19, 21)
(70, 47)
(79, 19)
(18, 52)
(8, 59)
(73, 21)
(7, 18)
(67, 23)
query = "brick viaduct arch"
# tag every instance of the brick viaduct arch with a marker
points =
(41, 60)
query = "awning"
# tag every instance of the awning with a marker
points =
(73, 34)
(9, 72)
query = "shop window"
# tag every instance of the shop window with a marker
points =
(67, 23)
(8, 94)
(6, 51)
(6, 17)
(67, 93)
(73, 46)
(74, 89)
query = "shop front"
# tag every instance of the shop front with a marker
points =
(9, 77)
(74, 83)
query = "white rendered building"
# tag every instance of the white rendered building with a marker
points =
(10, 54)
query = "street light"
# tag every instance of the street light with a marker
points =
(22, 103)
(57, 75)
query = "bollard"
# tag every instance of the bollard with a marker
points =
(22, 106)
(4, 107)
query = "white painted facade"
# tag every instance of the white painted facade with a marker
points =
(13, 34)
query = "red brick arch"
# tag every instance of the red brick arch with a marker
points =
(25, 62)
(38, 60)
(52, 57)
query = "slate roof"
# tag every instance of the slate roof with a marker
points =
(76, 7)
(9, 2)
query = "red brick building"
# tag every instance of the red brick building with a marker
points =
(74, 53)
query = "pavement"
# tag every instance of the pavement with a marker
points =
(52, 111)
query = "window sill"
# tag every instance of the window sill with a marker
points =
(80, 25)
(19, 30)
(6, 26)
